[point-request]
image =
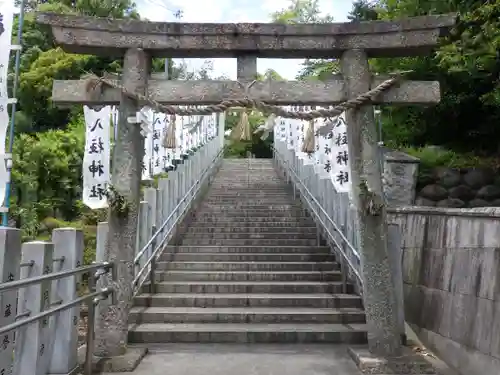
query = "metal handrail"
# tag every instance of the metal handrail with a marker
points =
(157, 233)
(9, 285)
(154, 255)
(91, 299)
(103, 294)
(335, 227)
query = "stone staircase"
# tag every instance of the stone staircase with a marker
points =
(248, 269)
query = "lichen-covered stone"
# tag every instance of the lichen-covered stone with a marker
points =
(451, 203)
(462, 192)
(489, 192)
(434, 192)
(448, 177)
(477, 178)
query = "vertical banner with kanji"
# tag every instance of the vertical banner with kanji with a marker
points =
(96, 173)
(341, 171)
(147, 127)
(158, 126)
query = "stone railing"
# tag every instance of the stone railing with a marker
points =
(41, 284)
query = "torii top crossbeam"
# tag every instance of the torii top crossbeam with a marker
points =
(101, 36)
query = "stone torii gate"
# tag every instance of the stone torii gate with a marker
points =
(353, 43)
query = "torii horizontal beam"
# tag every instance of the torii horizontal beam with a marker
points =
(272, 92)
(105, 37)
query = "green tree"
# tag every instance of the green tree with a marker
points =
(467, 65)
(41, 61)
(308, 11)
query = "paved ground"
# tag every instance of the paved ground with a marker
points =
(262, 359)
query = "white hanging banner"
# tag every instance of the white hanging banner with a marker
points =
(7, 11)
(96, 173)
(292, 129)
(341, 171)
(326, 151)
(158, 126)
(168, 154)
(147, 131)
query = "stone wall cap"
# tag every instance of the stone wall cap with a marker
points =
(478, 212)
(396, 156)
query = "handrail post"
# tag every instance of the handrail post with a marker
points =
(152, 286)
(87, 368)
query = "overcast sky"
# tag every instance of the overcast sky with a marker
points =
(235, 11)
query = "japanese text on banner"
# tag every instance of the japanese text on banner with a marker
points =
(340, 167)
(96, 166)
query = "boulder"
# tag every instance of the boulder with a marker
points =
(495, 203)
(448, 177)
(451, 203)
(477, 178)
(478, 203)
(421, 201)
(489, 192)
(434, 192)
(462, 192)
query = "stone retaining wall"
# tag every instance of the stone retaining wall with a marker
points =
(451, 263)
(459, 188)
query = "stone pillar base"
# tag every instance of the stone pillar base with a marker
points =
(408, 363)
(122, 363)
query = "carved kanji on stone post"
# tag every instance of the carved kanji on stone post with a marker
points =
(353, 43)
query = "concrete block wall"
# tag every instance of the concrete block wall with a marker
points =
(451, 274)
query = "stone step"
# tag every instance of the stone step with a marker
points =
(259, 287)
(297, 213)
(247, 266)
(249, 276)
(249, 207)
(225, 194)
(251, 225)
(248, 242)
(248, 333)
(221, 221)
(245, 257)
(248, 300)
(140, 315)
(247, 249)
(240, 200)
(244, 212)
(227, 188)
(249, 236)
(241, 229)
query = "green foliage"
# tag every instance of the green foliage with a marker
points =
(432, 157)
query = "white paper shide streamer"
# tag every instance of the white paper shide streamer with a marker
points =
(340, 172)
(96, 166)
